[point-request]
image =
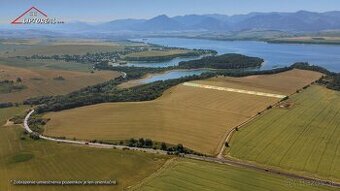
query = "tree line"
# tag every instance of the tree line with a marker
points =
(150, 144)
(193, 53)
(331, 79)
(224, 61)
(8, 86)
(108, 91)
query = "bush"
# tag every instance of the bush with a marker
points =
(19, 80)
(163, 146)
(4, 105)
(59, 78)
(34, 136)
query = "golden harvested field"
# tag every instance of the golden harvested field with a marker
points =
(284, 83)
(198, 118)
(42, 82)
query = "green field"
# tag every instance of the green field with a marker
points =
(7, 113)
(43, 160)
(185, 174)
(303, 137)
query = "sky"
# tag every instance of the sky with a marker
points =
(107, 10)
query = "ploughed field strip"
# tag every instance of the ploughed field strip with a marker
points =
(301, 135)
(198, 118)
(234, 90)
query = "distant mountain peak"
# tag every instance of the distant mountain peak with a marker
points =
(161, 17)
(302, 21)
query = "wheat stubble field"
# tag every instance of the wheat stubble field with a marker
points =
(198, 118)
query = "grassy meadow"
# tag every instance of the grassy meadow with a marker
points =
(303, 137)
(42, 160)
(185, 174)
(40, 82)
(198, 118)
(46, 64)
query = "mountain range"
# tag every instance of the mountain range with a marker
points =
(298, 21)
(301, 21)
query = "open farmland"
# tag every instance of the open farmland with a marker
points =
(153, 53)
(185, 174)
(47, 64)
(196, 117)
(46, 82)
(42, 160)
(282, 83)
(308, 40)
(7, 113)
(302, 136)
(66, 48)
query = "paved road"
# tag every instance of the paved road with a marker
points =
(307, 180)
(90, 144)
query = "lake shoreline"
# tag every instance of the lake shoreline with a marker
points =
(274, 54)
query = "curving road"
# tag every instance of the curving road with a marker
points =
(90, 144)
(305, 179)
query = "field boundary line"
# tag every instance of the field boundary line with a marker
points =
(168, 164)
(259, 168)
(234, 90)
(230, 132)
(189, 156)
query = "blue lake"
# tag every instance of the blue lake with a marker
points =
(172, 75)
(275, 55)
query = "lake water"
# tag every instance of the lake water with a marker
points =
(172, 75)
(275, 55)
